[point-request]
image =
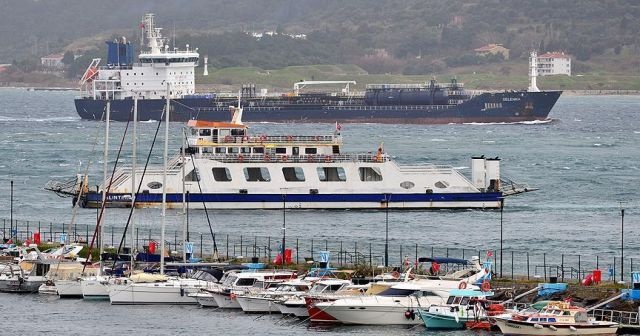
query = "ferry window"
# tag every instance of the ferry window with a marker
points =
(450, 300)
(221, 150)
(237, 132)
(258, 150)
(245, 282)
(465, 301)
(293, 174)
(312, 150)
(154, 185)
(534, 319)
(441, 184)
(456, 300)
(370, 174)
(407, 185)
(206, 150)
(281, 150)
(233, 150)
(221, 174)
(245, 150)
(193, 176)
(552, 319)
(295, 151)
(331, 174)
(224, 132)
(257, 174)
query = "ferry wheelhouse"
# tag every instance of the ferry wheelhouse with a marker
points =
(224, 166)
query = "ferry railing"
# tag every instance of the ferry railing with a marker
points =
(622, 317)
(262, 139)
(308, 158)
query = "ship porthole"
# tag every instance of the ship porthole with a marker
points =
(154, 185)
(407, 185)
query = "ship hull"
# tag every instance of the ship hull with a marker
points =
(515, 106)
(486, 200)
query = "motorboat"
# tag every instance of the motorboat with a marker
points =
(556, 318)
(147, 289)
(265, 301)
(462, 306)
(239, 283)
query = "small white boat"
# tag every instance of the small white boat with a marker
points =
(557, 318)
(147, 289)
(239, 283)
(265, 301)
(48, 288)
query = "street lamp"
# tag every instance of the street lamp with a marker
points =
(501, 211)
(387, 198)
(621, 242)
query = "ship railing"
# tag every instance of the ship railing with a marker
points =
(261, 139)
(622, 317)
(388, 108)
(307, 158)
(430, 168)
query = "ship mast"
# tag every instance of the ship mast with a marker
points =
(533, 72)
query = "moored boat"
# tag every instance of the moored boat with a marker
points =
(462, 306)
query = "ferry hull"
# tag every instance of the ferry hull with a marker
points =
(517, 106)
(525, 328)
(486, 200)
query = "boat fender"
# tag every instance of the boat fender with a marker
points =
(486, 286)
(410, 314)
(462, 285)
(395, 275)
(285, 158)
(572, 328)
(240, 158)
(553, 328)
(181, 291)
(538, 326)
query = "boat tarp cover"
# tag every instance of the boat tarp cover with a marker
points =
(147, 277)
(442, 260)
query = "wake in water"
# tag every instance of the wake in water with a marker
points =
(532, 122)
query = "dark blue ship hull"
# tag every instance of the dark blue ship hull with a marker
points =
(508, 106)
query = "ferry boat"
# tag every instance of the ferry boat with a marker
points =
(121, 79)
(224, 166)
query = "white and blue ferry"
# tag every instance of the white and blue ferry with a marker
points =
(224, 166)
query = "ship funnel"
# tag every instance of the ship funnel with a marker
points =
(492, 167)
(478, 173)
(533, 72)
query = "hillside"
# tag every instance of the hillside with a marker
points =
(409, 37)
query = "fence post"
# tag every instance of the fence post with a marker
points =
(562, 267)
(544, 263)
(431, 251)
(297, 252)
(40, 231)
(201, 247)
(50, 232)
(326, 245)
(597, 262)
(370, 257)
(614, 269)
(312, 258)
(341, 256)
(579, 269)
(27, 230)
(415, 262)
(241, 253)
(137, 237)
(227, 251)
(527, 265)
(401, 256)
(511, 265)
(75, 232)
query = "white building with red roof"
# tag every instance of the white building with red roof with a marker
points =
(554, 63)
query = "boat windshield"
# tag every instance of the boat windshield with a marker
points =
(318, 288)
(397, 292)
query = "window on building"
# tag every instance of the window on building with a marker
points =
(370, 174)
(331, 174)
(293, 174)
(257, 174)
(221, 174)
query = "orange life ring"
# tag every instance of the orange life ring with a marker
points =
(245, 138)
(263, 138)
(267, 158)
(486, 286)
(395, 275)
(328, 158)
(240, 158)
(285, 158)
(462, 285)
(289, 138)
(228, 138)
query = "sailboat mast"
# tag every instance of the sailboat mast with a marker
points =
(164, 182)
(105, 168)
(184, 199)
(134, 149)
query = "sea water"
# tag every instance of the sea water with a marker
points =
(585, 162)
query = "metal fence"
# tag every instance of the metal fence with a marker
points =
(344, 252)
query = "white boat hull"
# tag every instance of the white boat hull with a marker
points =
(257, 305)
(513, 328)
(69, 288)
(94, 288)
(226, 301)
(205, 300)
(149, 294)
(47, 289)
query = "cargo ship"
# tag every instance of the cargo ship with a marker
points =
(160, 72)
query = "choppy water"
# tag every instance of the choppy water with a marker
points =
(585, 162)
